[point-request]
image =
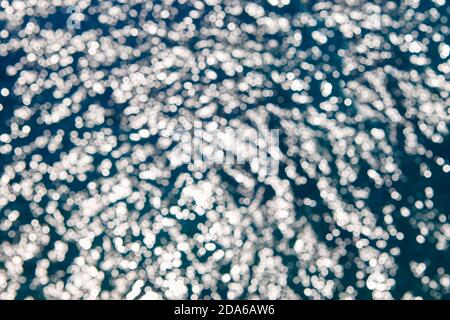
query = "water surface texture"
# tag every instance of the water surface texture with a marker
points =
(98, 202)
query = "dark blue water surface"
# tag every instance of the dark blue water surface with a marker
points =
(100, 199)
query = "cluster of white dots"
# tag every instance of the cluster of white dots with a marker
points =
(95, 204)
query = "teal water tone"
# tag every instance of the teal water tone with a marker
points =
(99, 198)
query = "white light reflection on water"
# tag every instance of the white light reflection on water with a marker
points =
(98, 199)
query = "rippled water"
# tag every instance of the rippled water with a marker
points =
(95, 204)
